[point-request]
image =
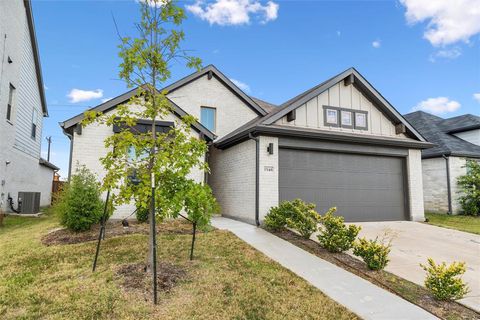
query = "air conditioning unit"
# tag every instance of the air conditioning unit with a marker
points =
(29, 202)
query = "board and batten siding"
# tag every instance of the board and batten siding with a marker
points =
(311, 114)
(27, 100)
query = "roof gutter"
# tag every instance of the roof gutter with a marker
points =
(257, 176)
(449, 187)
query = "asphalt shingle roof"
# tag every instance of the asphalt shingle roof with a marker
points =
(439, 131)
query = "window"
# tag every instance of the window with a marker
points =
(11, 94)
(347, 120)
(361, 120)
(208, 118)
(332, 116)
(34, 123)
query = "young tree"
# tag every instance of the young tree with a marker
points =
(151, 167)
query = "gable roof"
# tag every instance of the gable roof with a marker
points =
(361, 83)
(69, 124)
(438, 131)
(36, 56)
(213, 71)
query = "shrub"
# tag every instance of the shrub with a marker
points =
(79, 205)
(373, 252)
(334, 235)
(470, 189)
(142, 214)
(295, 214)
(303, 218)
(444, 282)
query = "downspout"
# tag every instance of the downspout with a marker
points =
(257, 177)
(449, 188)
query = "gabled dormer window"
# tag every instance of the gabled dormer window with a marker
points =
(208, 118)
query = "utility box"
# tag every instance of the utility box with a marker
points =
(29, 202)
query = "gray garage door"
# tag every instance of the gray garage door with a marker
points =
(362, 187)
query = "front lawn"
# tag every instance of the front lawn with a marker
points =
(228, 279)
(463, 223)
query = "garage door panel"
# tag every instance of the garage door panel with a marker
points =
(362, 187)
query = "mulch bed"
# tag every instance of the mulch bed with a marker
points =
(135, 278)
(397, 285)
(115, 229)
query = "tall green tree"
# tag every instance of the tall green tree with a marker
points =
(161, 161)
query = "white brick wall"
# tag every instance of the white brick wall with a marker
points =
(457, 169)
(232, 180)
(231, 112)
(268, 182)
(89, 147)
(415, 185)
(435, 185)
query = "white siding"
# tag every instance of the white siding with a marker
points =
(268, 180)
(23, 172)
(311, 114)
(472, 136)
(231, 111)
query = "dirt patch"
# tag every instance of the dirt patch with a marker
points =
(397, 285)
(115, 229)
(136, 278)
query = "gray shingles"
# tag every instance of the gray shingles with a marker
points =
(436, 130)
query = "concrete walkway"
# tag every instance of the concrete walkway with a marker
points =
(358, 295)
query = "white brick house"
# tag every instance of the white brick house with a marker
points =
(22, 108)
(456, 140)
(338, 144)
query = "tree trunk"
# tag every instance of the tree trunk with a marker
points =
(193, 240)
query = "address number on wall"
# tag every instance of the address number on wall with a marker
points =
(268, 168)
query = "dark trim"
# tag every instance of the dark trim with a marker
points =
(463, 129)
(357, 127)
(325, 122)
(292, 115)
(257, 178)
(352, 119)
(144, 126)
(70, 156)
(340, 147)
(36, 56)
(211, 69)
(277, 130)
(449, 187)
(111, 104)
(361, 83)
(47, 164)
(214, 114)
(406, 190)
(400, 128)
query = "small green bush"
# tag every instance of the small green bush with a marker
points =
(303, 218)
(470, 189)
(142, 214)
(373, 252)
(295, 214)
(444, 282)
(334, 235)
(79, 205)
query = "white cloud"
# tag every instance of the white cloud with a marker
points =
(439, 105)
(154, 3)
(476, 96)
(78, 95)
(106, 99)
(448, 21)
(234, 12)
(450, 54)
(243, 86)
(376, 44)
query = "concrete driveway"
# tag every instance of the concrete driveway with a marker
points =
(414, 242)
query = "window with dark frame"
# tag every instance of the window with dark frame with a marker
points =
(361, 120)
(345, 118)
(332, 116)
(11, 94)
(208, 118)
(34, 123)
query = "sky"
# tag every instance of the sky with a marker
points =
(419, 54)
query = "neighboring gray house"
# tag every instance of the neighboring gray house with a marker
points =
(22, 108)
(338, 144)
(457, 139)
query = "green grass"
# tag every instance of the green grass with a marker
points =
(227, 280)
(463, 223)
